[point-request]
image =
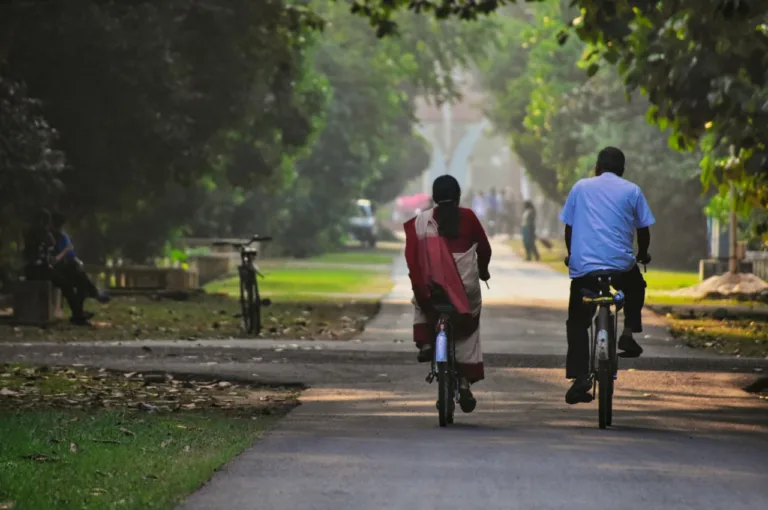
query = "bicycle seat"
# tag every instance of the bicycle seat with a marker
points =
(602, 273)
(446, 308)
(251, 251)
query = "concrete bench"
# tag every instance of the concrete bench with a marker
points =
(36, 303)
(142, 278)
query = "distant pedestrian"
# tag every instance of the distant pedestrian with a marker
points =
(529, 231)
(480, 207)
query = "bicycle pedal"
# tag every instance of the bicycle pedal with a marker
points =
(430, 378)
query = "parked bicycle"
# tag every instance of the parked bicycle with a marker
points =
(250, 300)
(604, 359)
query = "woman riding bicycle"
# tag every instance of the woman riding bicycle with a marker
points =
(466, 240)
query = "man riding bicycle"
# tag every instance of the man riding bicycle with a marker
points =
(601, 216)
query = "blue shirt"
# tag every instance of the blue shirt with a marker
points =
(604, 212)
(62, 241)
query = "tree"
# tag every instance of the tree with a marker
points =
(557, 120)
(30, 167)
(149, 96)
(700, 62)
(366, 144)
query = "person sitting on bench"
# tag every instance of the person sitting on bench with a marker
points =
(38, 256)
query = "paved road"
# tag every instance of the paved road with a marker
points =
(366, 436)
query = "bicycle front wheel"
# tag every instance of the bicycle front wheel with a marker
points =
(256, 309)
(444, 394)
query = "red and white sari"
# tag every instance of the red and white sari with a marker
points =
(456, 264)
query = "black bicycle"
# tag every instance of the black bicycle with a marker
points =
(250, 300)
(604, 360)
(444, 366)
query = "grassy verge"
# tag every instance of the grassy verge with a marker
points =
(553, 258)
(78, 439)
(741, 337)
(288, 284)
(385, 254)
(661, 282)
(201, 316)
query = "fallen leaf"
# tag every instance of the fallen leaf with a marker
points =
(7, 505)
(5, 392)
(224, 384)
(127, 432)
(165, 443)
(96, 491)
(186, 449)
(39, 457)
(73, 448)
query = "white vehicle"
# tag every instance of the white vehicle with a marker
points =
(363, 225)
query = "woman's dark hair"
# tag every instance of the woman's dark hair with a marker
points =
(446, 193)
(527, 204)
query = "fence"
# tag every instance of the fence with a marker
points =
(759, 261)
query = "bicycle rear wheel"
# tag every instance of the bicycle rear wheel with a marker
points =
(444, 394)
(604, 392)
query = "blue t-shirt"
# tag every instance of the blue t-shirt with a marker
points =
(62, 241)
(604, 212)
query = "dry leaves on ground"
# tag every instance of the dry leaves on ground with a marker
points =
(80, 388)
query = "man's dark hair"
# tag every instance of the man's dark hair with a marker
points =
(611, 160)
(42, 218)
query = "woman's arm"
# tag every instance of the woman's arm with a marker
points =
(483, 246)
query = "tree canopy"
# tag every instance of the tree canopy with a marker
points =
(701, 64)
(557, 119)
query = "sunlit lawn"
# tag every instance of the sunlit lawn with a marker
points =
(379, 256)
(287, 284)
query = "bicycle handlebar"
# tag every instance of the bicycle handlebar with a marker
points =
(240, 244)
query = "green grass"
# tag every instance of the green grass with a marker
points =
(660, 279)
(168, 457)
(307, 284)
(379, 256)
(74, 438)
(742, 337)
(207, 316)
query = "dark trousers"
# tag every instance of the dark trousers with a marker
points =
(59, 280)
(580, 316)
(74, 274)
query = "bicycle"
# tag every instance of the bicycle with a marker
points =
(443, 366)
(250, 300)
(603, 352)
